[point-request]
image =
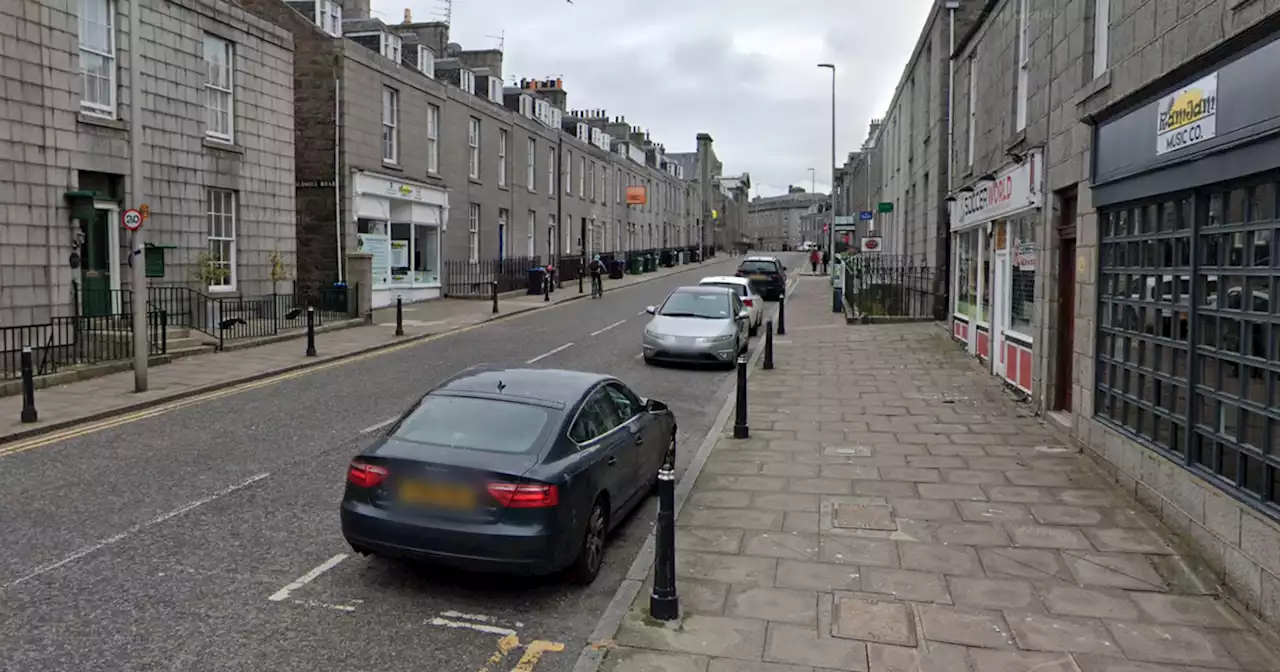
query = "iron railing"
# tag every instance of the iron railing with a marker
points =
(465, 278)
(240, 317)
(77, 341)
(889, 286)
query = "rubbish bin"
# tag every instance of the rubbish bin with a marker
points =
(637, 264)
(535, 281)
(651, 263)
(616, 269)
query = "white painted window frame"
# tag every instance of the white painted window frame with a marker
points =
(390, 122)
(219, 88)
(503, 138)
(473, 233)
(220, 223)
(1024, 67)
(473, 148)
(1101, 30)
(433, 139)
(105, 52)
(531, 165)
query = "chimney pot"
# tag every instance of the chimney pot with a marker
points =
(408, 18)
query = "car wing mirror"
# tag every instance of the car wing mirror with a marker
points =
(652, 310)
(655, 406)
(744, 314)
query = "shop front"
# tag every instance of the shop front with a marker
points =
(993, 234)
(1187, 360)
(400, 223)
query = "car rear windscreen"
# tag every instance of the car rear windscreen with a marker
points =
(740, 289)
(762, 266)
(469, 423)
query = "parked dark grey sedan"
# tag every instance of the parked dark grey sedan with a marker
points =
(518, 471)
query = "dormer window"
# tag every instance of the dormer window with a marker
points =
(526, 106)
(557, 117)
(329, 17)
(584, 132)
(495, 90)
(426, 62)
(391, 47)
(467, 81)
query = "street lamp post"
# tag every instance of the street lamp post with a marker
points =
(831, 227)
(813, 181)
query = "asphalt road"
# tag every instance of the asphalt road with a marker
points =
(207, 538)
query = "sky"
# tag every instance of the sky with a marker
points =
(744, 71)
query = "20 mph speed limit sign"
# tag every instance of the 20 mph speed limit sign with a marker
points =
(132, 219)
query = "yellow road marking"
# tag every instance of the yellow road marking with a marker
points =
(533, 653)
(505, 645)
(127, 418)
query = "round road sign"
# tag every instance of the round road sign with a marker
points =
(132, 219)
(871, 243)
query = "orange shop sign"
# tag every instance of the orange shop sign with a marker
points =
(636, 196)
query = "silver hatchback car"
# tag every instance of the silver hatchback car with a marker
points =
(697, 325)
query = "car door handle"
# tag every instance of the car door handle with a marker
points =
(611, 461)
(638, 436)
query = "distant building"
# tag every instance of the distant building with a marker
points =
(775, 222)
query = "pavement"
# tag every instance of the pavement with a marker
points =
(110, 395)
(202, 534)
(895, 511)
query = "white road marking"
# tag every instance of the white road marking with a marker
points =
(380, 425)
(642, 312)
(601, 331)
(545, 355)
(347, 608)
(464, 625)
(469, 617)
(283, 593)
(116, 538)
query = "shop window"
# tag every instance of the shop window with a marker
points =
(401, 240)
(1022, 254)
(1189, 331)
(426, 253)
(967, 273)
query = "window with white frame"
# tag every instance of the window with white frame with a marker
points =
(390, 117)
(504, 233)
(467, 81)
(1024, 66)
(391, 45)
(495, 89)
(582, 177)
(568, 173)
(531, 158)
(433, 139)
(568, 235)
(329, 17)
(526, 105)
(533, 227)
(551, 170)
(1101, 24)
(426, 62)
(473, 145)
(219, 93)
(617, 187)
(973, 103)
(473, 233)
(220, 208)
(98, 57)
(591, 181)
(502, 157)
(603, 190)
(551, 237)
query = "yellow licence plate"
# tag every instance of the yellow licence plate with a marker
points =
(435, 495)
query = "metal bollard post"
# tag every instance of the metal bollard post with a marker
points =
(581, 272)
(399, 316)
(546, 286)
(768, 345)
(495, 297)
(311, 331)
(664, 604)
(164, 331)
(782, 315)
(740, 429)
(28, 387)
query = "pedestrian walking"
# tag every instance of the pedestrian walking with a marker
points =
(813, 260)
(826, 261)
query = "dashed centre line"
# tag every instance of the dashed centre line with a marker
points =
(601, 331)
(545, 355)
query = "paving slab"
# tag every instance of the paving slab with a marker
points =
(720, 636)
(874, 621)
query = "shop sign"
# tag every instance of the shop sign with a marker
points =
(371, 185)
(399, 259)
(1014, 189)
(1024, 257)
(1187, 116)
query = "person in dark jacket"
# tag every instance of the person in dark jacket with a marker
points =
(826, 260)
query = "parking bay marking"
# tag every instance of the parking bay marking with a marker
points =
(533, 653)
(116, 538)
(601, 331)
(283, 593)
(545, 355)
(375, 427)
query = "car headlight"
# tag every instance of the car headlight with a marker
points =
(716, 339)
(655, 335)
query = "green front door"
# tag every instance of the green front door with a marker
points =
(95, 265)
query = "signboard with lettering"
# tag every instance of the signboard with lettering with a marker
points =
(1187, 116)
(636, 196)
(1014, 189)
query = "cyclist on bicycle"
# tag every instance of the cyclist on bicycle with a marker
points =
(597, 268)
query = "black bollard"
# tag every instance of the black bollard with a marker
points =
(495, 297)
(546, 286)
(581, 272)
(740, 430)
(311, 331)
(664, 604)
(28, 387)
(399, 316)
(782, 315)
(768, 345)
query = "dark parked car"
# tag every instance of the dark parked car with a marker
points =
(517, 471)
(767, 275)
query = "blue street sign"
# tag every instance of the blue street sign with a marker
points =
(866, 216)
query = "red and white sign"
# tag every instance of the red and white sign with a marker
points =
(132, 219)
(871, 244)
(1015, 188)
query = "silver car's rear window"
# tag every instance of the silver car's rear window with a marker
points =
(740, 289)
(469, 423)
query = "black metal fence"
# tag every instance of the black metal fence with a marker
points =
(76, 341)
(474, 279)
(890, 286)
(239, 317)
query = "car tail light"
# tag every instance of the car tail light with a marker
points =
(365, 475)
(525, 495)
(748, 302)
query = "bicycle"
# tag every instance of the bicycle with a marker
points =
(597, 287)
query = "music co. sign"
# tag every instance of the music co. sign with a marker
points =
(1015, 188)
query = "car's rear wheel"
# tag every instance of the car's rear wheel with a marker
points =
(590, 558)
(754, 330)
